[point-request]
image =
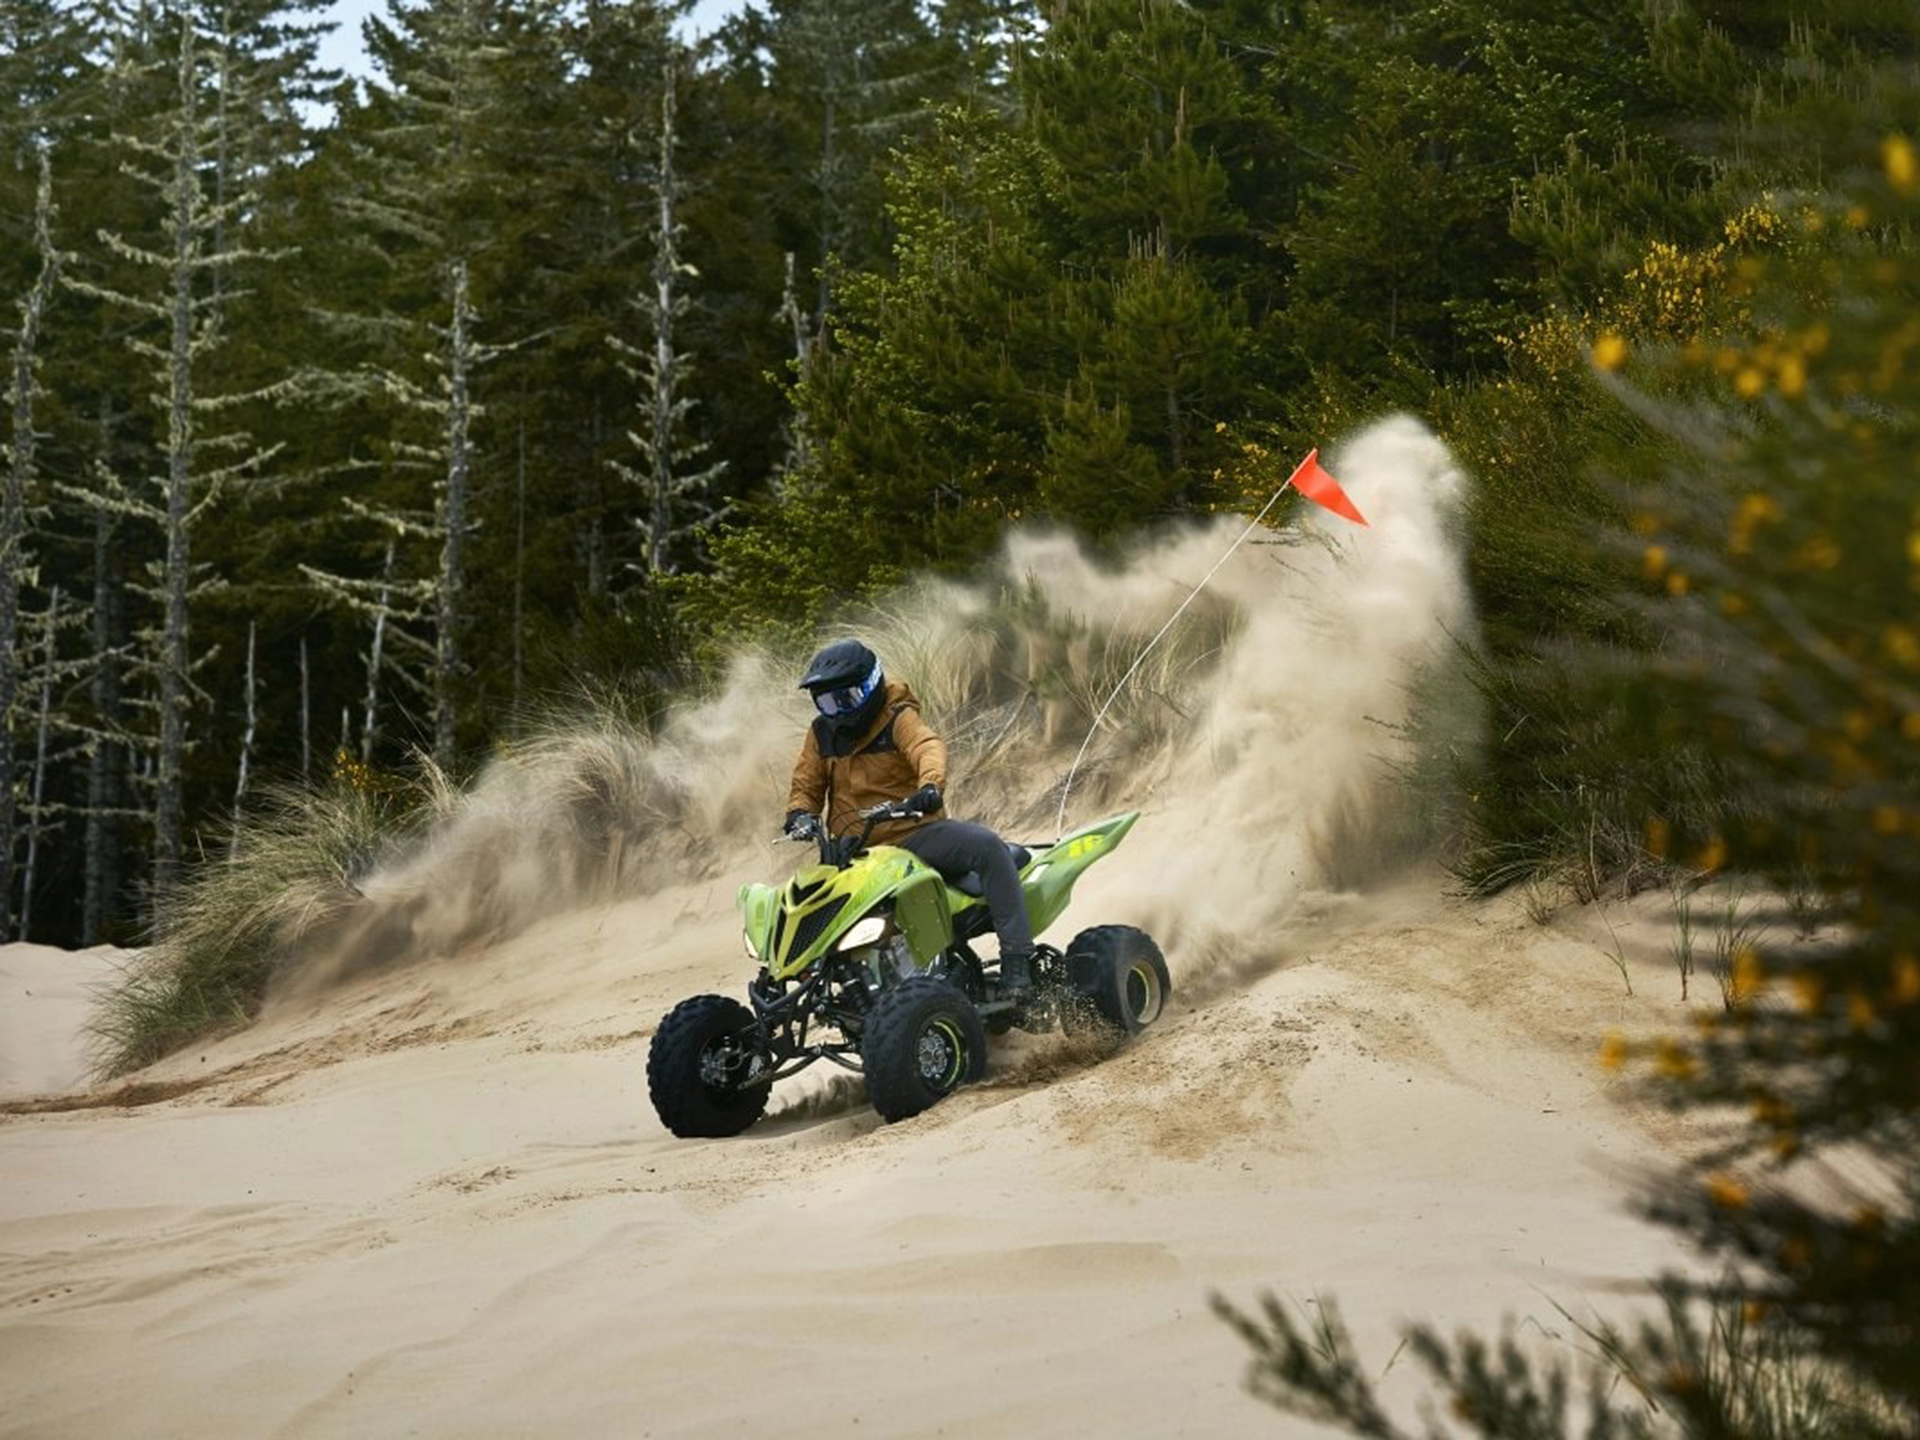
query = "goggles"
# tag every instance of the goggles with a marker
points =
(845, 699)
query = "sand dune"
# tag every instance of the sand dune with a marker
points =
(440, 1204)
(426, 1194)
(45, 995)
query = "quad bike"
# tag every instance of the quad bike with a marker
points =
(866, 961)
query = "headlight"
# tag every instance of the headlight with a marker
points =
(864, 932)
(746, 939)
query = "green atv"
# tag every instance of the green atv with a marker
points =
(866, 960)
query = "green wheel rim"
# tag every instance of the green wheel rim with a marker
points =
(1143, 993)
(942, 1053)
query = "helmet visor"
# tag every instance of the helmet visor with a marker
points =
(845, 699)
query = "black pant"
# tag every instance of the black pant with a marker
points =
(953, 847)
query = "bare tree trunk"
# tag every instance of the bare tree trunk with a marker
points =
(246, 748)
(14, 557)
(169, 795)
(306, 718)
(519, 566)
(590, 498)
(829, 183)
(1173, 429)
(676, 501)
(48, 654)
(666, 265)
(103, 769)
(790, 311)
(454, 518)
(374, 656)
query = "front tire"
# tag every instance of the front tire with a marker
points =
(1118, 978)
(923, 1041)
(700, 1057)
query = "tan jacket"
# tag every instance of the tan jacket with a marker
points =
(896, 756)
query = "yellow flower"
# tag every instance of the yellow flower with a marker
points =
(1904, 646)
(1727, 1192)
(1771, 1110)
(1610, 352)
(1906, 980)
(1749, 382)
(1658, 836)
(1748, 974)
(1903, 167)
(1860, 1011)
(1886, 820)
(1793, 377)
(1654, 562)
(1713, 856)
(1913, 547)
(1613, 1052)
(1677, 583)
(1910, 725)
(1674, 1062)
(1818, 552)
(1857, 217)
(1809, 991)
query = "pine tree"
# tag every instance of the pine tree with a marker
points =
(16, 551)
(431, 169)
(182, 301)
(677, 503)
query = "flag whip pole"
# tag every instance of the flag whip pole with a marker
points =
(1060, 820)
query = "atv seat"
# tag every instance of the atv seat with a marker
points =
(969, 883)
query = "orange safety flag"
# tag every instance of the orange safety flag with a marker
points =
(1321, 488)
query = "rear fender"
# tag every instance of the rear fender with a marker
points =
(1049, 876)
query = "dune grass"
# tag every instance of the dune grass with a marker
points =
(219, 937)
(1700, 1360)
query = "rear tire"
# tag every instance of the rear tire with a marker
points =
(1118, 978)
(923, 1041)
(695, 1066)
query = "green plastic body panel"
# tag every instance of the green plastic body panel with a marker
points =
(1048, 877)
(922, 911)
(791, 926)
(780, 917)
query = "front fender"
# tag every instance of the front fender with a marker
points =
(791, 926)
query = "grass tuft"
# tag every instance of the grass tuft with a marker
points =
(215, 947)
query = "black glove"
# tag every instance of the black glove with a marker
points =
(924, 801)
(802, 825)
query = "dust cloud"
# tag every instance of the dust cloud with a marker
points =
(1276, 741)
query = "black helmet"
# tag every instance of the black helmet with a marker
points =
(848, 684)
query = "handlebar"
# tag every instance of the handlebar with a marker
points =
(842, 848)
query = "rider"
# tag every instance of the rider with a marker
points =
(868, 747)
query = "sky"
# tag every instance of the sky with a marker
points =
(343, 50)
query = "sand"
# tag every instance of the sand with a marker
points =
(426, 1194)
(44, 998)
(437, 1203)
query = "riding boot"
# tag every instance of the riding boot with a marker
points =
(1016, 974)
